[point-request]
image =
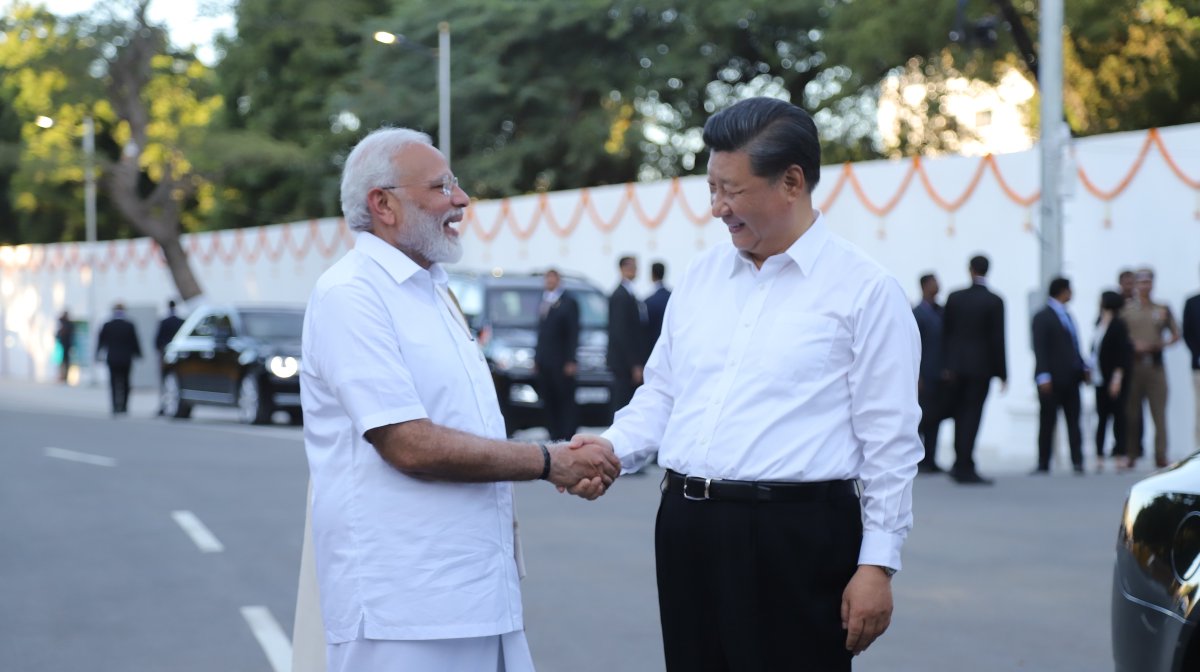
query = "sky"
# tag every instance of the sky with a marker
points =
(189, 22)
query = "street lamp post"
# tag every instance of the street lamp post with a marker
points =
(442, 56)
(1053, 140)
(89, 214)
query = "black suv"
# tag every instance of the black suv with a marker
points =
(503, 312)
(242, 356)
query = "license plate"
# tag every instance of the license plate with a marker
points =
(591, 395)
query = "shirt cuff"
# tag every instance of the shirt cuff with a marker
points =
(1042, 378)
(619, 443)
(881, 548)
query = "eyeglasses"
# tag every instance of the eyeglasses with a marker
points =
(447, 185)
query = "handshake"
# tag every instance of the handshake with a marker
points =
(584, 466)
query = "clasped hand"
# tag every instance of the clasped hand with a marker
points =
(585, 467)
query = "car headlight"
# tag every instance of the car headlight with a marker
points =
(283, 367)
(517, 359)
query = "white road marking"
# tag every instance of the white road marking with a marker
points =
(205, 540)
(270, 637)
(85, 458)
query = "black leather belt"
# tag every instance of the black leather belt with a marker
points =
(699, 488)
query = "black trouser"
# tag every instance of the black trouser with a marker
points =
(557, 391)
(1065, 397)
(1108, 407)
(755, 586)
(118, 383)
(933, 410)
(969, 395)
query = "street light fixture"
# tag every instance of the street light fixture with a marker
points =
(442, 56)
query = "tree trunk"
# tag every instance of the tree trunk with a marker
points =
(181, 270)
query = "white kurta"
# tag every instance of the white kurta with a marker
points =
(398, 558)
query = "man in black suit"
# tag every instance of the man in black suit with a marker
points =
(554, 356)
(1059, 369)
(972, 354)
(656, 303)
(627, 320)
(1191, 336)
(167, 328)
(928, 315)
(119, 341)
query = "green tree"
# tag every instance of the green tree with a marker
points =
(152, 106)
(1128, 64)
(281, 121)
(552, 95)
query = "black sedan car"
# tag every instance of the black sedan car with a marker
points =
(242, 356)
(1154, 612)
(503, 312)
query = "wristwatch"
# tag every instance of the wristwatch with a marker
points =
(887, 570)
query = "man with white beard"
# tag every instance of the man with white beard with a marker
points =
(412, 510)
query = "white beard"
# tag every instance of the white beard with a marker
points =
(423, 235)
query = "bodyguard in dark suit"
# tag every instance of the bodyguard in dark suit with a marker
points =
(119, 341)
(928, 315)
(1113, 359)
(656, 303)
(1191, 336)
(167, 328)
(627, 322)
(557, 343)
(1059, 370)
(972, 354)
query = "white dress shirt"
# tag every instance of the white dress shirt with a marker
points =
(398, 557)
(803, 370)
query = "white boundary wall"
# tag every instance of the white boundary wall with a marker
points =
(1154, 221)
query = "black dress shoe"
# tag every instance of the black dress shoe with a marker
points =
(928, 468)
(1040, 472)
(971, 479)
(1078, 470)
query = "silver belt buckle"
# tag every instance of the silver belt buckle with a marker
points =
(707, 481)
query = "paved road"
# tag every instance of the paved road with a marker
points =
(97, 574)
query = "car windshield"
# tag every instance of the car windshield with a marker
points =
(518, 307)
(514, 307)
(276, 325)
(593, 309)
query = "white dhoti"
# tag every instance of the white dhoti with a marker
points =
(503, 653)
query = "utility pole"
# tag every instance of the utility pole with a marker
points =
(1053, 139)
(89, 213)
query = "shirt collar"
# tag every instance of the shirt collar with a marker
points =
(1056, 305)
(628, 285)
(803, 252)
(396, 263)
(552, 297)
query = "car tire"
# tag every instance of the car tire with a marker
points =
(253, 409)
(171, 401)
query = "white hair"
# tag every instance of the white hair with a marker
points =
(369, 166)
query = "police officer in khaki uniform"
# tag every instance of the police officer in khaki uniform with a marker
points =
(1148, 322)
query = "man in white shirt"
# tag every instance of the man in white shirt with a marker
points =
(412, 511)
(786, 371)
